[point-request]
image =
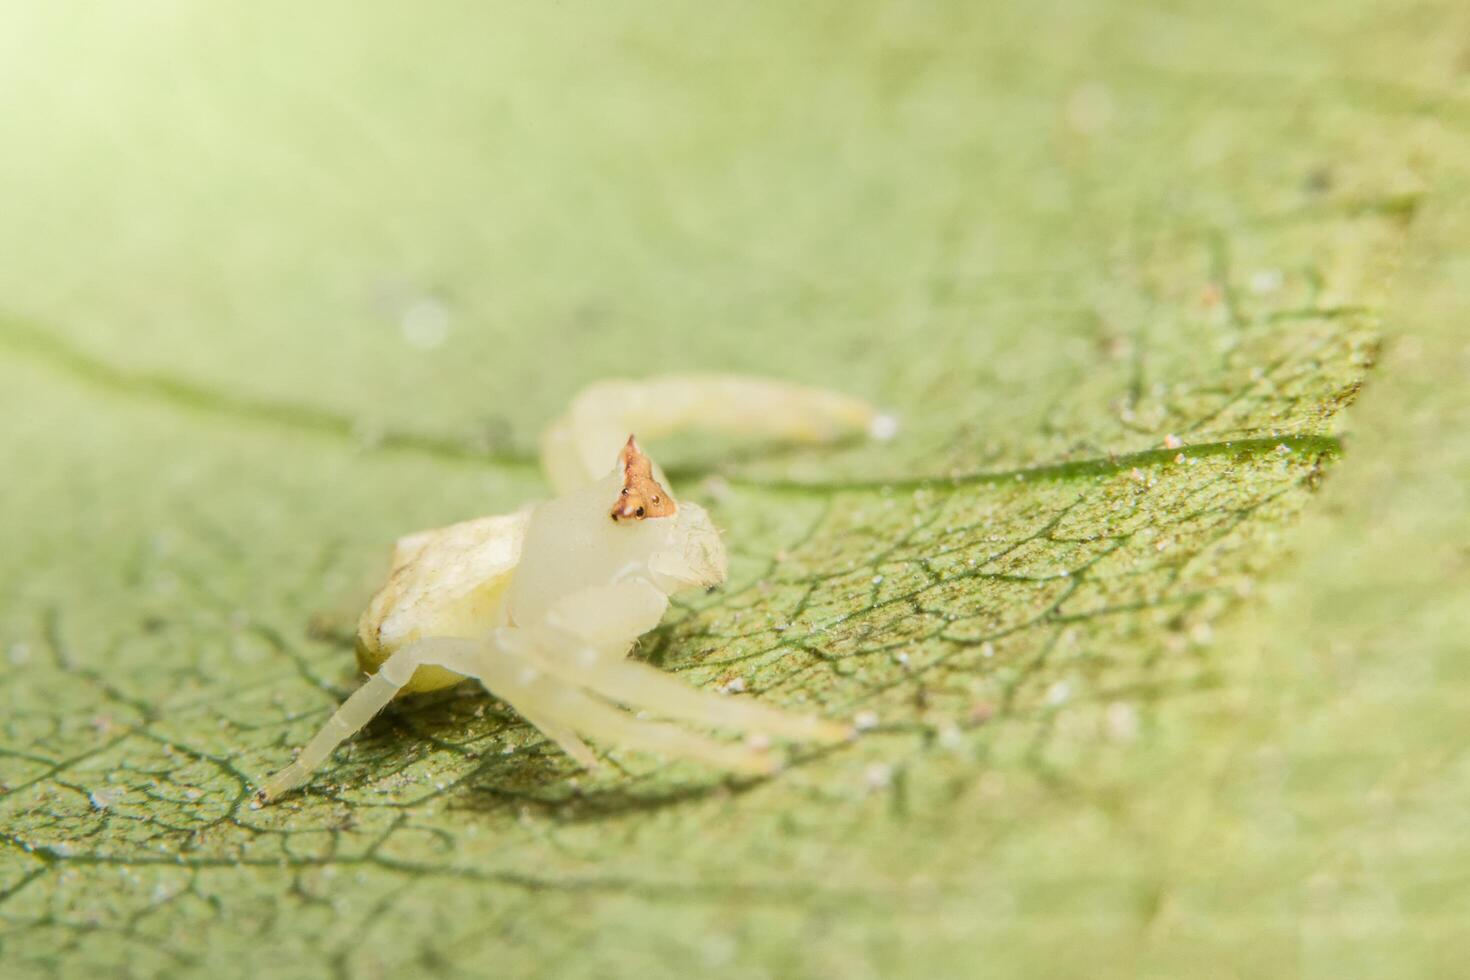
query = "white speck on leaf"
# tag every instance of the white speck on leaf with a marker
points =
(425, 323)
(1265, 281)
(883, 427)
(104, 799)
(1121, 721)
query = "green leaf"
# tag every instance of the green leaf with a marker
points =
(1160, 660)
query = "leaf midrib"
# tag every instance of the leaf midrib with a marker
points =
(27, 338)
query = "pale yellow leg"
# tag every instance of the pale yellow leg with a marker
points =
(608, 674)
(561, 660)
(586, 640)
(641, 686)
(460, 655)
(582, 445)
(603, 721)
(563, 736)
(556, 698)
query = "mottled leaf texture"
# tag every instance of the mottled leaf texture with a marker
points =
(1159, 651)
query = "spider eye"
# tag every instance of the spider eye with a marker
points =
(639, 512)
(655, 498)
(624, 491)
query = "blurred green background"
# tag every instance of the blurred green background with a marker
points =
(1161, 627)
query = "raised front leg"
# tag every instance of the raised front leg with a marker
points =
(579, 447)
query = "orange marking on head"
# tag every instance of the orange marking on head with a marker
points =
(641, 495)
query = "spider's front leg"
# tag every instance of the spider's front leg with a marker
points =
(581, 647)
(463, 656)
(564, 703)
(575, 448)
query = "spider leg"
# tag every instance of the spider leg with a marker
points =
(585, 641)
(638, 685)
(614, 726)
(579, 447)
(544, 692)
(459, 655)
(561, 734)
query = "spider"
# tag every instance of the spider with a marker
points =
(542, 605)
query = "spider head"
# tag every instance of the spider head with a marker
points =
(641, 496)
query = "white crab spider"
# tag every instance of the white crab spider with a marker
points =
(542, 605)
